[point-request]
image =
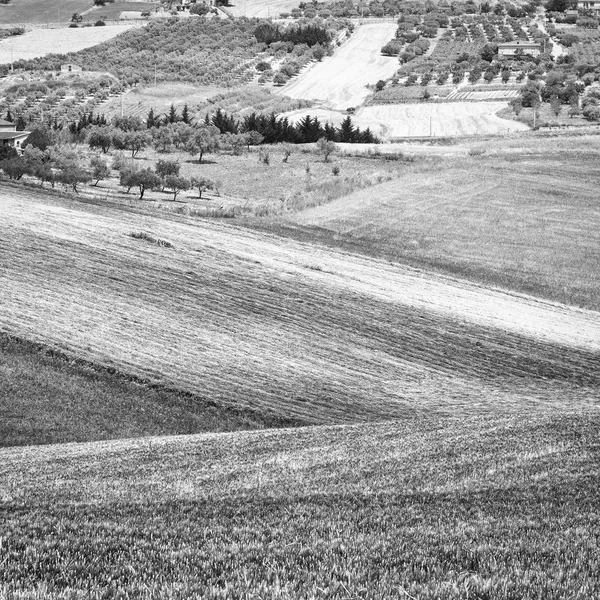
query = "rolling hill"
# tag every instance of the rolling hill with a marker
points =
(429, 508)
(288, 331)
(522, 215)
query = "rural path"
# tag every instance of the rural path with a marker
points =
(340, 81)
(302, 331)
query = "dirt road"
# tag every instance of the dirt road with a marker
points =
(340, 80)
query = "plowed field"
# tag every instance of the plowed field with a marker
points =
(257, 321)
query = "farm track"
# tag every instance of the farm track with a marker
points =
(280, 326)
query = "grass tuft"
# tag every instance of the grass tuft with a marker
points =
(141, 235)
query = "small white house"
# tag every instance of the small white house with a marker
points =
(593, 6)
(517, 47)
(9, 136)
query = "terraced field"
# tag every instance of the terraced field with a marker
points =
(295, 330)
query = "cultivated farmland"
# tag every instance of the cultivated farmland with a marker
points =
(40, 42)
(440, 120)
(340, 81)
(293, 330)
(41, 11)
(429, 508)
(525, 218)
(447, 119)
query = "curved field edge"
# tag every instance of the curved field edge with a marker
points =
(52, 397)
(526, 221)
(429, 507)
(296, 332)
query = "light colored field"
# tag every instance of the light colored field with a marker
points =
(340, 81)
(255, 321)
(263, 9)
(422, 120)
(112, 11)
(40, 42)
(439, 120)
(527, 221)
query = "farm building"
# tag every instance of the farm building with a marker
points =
(518, 47)
(9, 136)
(70, 68)
(592, 6)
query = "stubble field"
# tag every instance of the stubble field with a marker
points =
(291, 330)
(340, 81)
(262, 9)
(448, 119)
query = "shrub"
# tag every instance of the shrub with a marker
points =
(141, 235)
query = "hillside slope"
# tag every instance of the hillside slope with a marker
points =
(525, 220)
(495, 508)
(47, 397)
(294, 331)
(341, 80)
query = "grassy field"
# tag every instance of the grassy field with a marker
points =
(113, 10)
(257, 188)
(433, 508)
(524, 215)
(49, 398)
(41, 11)
(293, 331)
(200, 100)
(545, 117)
(263, 9)
(41, 42)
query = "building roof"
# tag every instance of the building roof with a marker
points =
(4, 123)
(11, 135)
(518, 43)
